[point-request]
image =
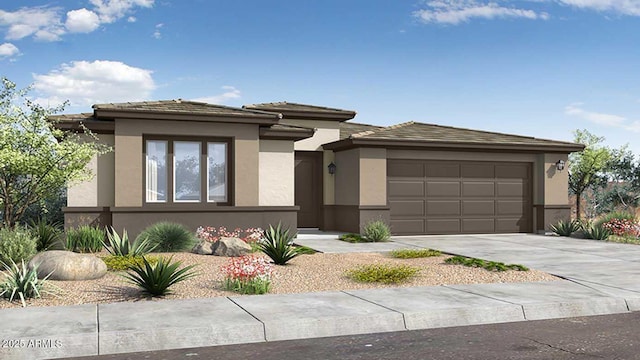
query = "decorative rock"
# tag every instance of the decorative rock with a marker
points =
(67, 265)
(203, 248)
(228, 246)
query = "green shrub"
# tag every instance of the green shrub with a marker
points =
(121, 263)
(278, 245)
(615, 215)
(22, 282)
(47, 234)
(566, 227)
(120, 246)
(414, 253)
(387, 274)
(85, 239)
(16, 244)
(352, 238)
(376, 231)
(487, 265)
(155, 279)
(169, 237)
(304, 250)
(596, 232)
(254, 286)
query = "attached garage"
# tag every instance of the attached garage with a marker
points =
(444, 197)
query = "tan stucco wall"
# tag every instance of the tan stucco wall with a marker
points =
(326, 132)
(347, 190)
(555, 182)
(373, 176)
(328, 180)
(99, 190)
(277, 172)
(129, 160)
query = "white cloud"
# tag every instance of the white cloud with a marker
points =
(610, 120)
(8, 50)
(458, 11)
(43, 23)
(157, 33)
(625, 7)
(230, 93)
(82, 21)
(112, 10)
(132, 19)
(85, 83)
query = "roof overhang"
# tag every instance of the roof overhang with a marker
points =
(351, 143)
(294, 134)
(330, 115)
(261, 119)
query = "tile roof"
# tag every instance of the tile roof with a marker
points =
(289, 106)
(439, 133)
(179, 106)
(72, 117)
(349, 128)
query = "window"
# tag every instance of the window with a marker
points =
(198, 171)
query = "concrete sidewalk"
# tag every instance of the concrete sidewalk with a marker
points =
(36, 333)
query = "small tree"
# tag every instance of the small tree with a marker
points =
(587, 169)
(36, 158)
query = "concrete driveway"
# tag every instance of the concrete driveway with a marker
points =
(608, 267)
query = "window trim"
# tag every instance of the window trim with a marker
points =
(204, 163)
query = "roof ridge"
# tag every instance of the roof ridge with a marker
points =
(276, 103)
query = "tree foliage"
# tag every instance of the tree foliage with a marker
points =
(36, 158)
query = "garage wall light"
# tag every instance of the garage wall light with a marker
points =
(332, 168)
(560, 165)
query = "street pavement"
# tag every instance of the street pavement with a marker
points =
(600, 278)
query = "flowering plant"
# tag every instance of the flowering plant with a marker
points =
(622, 227)
(213, 234)
(247, 274)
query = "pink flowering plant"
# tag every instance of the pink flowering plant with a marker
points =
(247, 274)
(622, 227)
(213, 234)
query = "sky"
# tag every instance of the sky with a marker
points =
(538, 68)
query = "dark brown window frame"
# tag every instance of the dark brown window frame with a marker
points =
(203, 140)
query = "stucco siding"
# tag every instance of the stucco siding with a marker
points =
(328, 180)
(373, 176)
(556, 182)
(347, 188)
(277, 185)
(326, 132)
(99, 190)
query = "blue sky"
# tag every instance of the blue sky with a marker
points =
(540, 68)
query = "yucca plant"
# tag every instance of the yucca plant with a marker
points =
(278, 245)
(566, 227)
(155, 279)
(120, 246)
(169, 237)
(596, 232)
(85, 239)
(47, 234)
(23, 282)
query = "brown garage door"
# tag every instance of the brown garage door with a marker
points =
(445, 197)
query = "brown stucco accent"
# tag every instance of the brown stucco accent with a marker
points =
(352, 218)
(94, 216)
(129, 162)
(134, 220)
(547, 215)
(347, 177)
(96, 126)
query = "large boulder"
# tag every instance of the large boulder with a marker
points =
(67, 265)
(229, 246)
(203, 248)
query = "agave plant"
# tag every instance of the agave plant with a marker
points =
(155, 279)
(23, 282)
(566, 227)
(47, 234)
(596, 232)
(278, 245)
(120, 246)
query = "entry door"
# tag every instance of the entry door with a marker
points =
(308, 187)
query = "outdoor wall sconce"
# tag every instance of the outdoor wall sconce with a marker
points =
(332, 168)
(560, 165)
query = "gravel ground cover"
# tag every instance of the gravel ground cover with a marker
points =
(305, 273)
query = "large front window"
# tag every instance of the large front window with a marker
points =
(198, 170)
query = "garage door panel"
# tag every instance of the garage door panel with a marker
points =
(478, 207)
(510, 207)
(478, 188)
(478, 226)
(407, 208)
(443, 226)
(400, 188)
(435, 170)
(478, 171)
(443, 189)
(411, 226)
(443, 207)
(511, 225)
(512, 171)
(411, 169)
(514, 189)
